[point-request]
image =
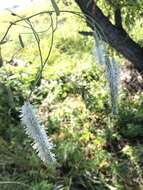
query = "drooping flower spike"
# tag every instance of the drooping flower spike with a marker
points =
(111, 69)
(36, 131)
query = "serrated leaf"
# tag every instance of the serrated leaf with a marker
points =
(21, 41)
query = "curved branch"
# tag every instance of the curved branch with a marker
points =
(118, 39)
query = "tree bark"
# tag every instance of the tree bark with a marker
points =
(116, 37)
(118, 18)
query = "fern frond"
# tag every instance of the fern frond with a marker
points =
(35, 130)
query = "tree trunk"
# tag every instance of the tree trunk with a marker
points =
(116, 37)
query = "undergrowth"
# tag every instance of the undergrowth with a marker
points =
(94, 149)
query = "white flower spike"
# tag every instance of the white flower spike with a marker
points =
(33, 128)
(112, 71)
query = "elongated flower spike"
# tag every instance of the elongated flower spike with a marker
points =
(112, 74)
(36, 131)
(111, 69)
(99, 50)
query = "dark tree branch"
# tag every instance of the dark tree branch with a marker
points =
(85, 33)
(118, 18)
(118, 39)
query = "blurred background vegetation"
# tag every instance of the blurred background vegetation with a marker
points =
(95, 150)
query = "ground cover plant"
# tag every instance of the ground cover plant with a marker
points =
(94, 148)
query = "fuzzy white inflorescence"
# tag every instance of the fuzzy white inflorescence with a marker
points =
(33, 128)
(99, 50)
(112, 71)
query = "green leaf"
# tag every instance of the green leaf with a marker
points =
(56, 8)
(21, 41)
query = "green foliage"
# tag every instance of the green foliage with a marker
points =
(94, 150)
(131, 11)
